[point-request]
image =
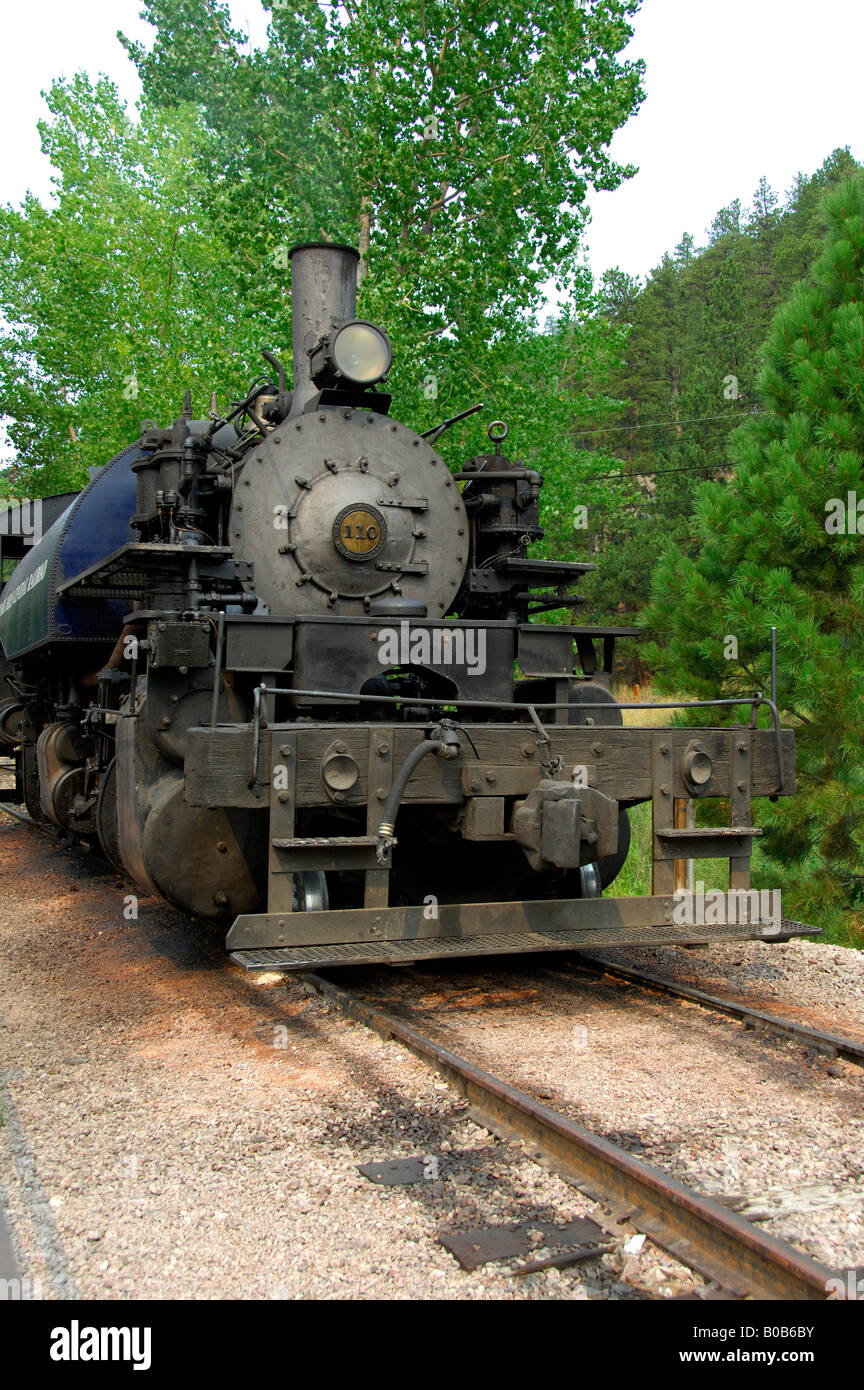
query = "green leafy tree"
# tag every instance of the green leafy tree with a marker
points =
(455, 147)
(781, 543)
(119, 295)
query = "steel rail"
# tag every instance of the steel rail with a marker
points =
(21, 816)
(834, 1043)
(697, 1230)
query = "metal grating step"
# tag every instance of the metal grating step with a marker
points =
(504, 943)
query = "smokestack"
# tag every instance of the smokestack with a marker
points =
(323, 293)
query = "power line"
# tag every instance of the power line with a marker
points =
(659, 424)
(653, 472)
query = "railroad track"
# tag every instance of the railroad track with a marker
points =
(740, 1260)
(19, 815)
(700, 1232)
(831, 1044)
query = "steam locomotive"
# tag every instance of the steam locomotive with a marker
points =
(286, 668)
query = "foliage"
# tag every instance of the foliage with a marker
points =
(116, 298)
(771, 549)
(455, 147)
(687, 376)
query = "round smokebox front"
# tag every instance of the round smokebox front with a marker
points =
(342, 506)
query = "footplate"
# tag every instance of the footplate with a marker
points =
(502, 943)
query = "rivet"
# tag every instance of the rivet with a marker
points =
(285, 751)
(222, 847)
(475, 784)
(664, 749)
(283, 797)
(491, 778)
(381, 794)
(597, 748)
(742, 786)
(527, 750)
(664, 790)
(220, 899)
(382, 749)
(742, 748)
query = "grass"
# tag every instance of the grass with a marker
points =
(834, 919)
(634, 880)
(645, 718)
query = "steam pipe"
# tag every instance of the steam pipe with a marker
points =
(323, 294)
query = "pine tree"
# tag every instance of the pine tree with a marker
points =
(781, 543)
(687, 375)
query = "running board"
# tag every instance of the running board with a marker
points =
(402, 952)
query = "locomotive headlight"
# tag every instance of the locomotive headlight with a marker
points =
(358, 352)
(361, 352)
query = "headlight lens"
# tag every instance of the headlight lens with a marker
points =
(361, 352)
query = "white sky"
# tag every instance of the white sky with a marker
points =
(736, 89)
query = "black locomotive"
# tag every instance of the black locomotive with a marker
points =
(286, 668)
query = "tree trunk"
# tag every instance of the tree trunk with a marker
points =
(365, 228)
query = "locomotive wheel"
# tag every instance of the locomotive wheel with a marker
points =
(106, 818)
(30, 779)
(310, 891)
(611, 867)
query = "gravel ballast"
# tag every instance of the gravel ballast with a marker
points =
(173, 1128)
(762, 1123)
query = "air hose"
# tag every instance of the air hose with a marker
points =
(444, 744)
